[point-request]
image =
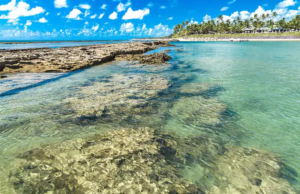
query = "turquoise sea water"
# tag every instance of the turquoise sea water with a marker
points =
(258, 82)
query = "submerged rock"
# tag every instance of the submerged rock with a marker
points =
(119, 97)
(156, 58)
(196, 88)
(144, 161)
(198, 110)
(122, 161)
(242, 170)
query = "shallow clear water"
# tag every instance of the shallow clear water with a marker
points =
(257, 81)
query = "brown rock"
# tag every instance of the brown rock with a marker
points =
(71, 58)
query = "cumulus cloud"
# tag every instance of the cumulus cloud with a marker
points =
(42, 20)
(162, 7)
(22, 9)
(259, 11)
(8, 7)
(113, 16)
(170, 18)
(74, 14)
(60, 3)
(127, 27)
(139, 14)
(85, 6)
(245, 15)
(122, 7)
(206, 18)
(224, 8)
(101, 15)
(193, 22)
(28, 23)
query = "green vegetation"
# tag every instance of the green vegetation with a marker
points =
(264, 25)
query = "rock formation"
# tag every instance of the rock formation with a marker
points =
(69, 58)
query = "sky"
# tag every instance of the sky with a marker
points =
(122, 19)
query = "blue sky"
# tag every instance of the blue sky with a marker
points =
(121, 19)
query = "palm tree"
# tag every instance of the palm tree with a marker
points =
(274, 14)
(220, 18)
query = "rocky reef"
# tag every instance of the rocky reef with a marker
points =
(144, 161)
(122, 161)
(156, 58)
(118, 97)
(201, 111)
(69, 58)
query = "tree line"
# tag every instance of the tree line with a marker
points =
(237, 25)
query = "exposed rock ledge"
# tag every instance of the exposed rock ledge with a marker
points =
(69, 58)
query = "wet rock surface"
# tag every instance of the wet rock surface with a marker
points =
(156, 58)
(69, 58)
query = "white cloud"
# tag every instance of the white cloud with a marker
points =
(93, 16)
(291, 14)
(170, 18)
(28, 23)
(224, 8)
(193, 22)
(95, 28)
(86, 13)
(286, 3)
(103, 6)
(8, 7)
(122, 7)
(85, 6)
(42, 20)
(150, 4)
(22, 9)
(74, 14)
(60, 3)
(113, 16)
(101, 16)
(231, 2)
(127, 27)
(245, 15)
(206, 18)
(162, 7)
(259, 11)
(139, 14)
